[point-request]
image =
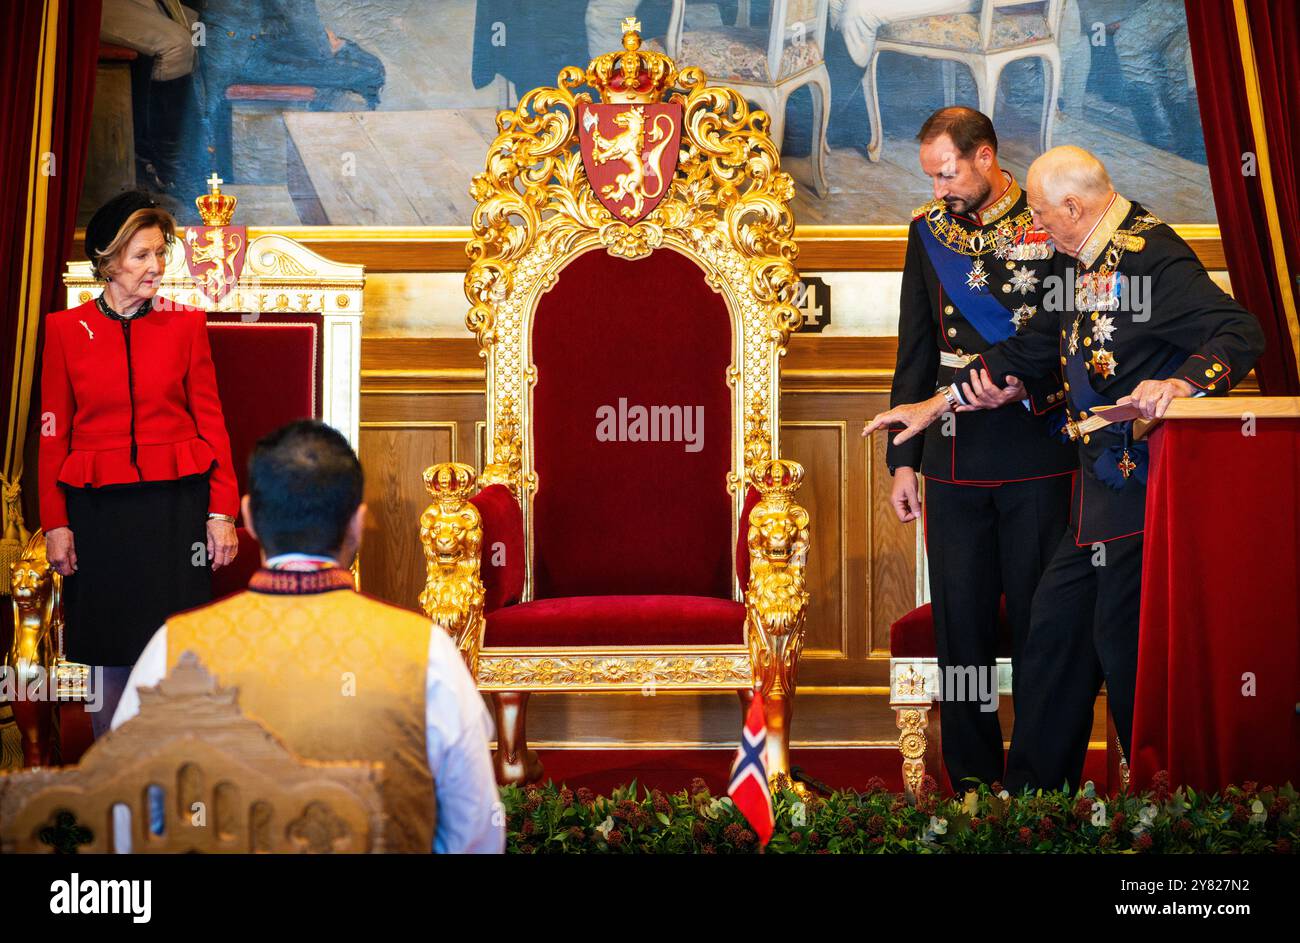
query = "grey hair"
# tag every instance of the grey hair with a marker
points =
(1068, 170)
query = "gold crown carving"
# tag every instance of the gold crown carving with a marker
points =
(216, 208)
(634, 75)
(776, 476)
(449, 481)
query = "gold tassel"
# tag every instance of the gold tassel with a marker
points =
(11, 740)
(15, 533)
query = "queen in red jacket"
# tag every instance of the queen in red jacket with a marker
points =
(138, 497)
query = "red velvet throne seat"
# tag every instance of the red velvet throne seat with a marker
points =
(635, 526)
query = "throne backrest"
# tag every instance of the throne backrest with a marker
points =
(607, 276)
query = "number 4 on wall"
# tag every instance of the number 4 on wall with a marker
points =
(813, 298)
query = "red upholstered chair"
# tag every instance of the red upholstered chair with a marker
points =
(635, 527)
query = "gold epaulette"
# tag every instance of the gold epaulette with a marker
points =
(925, 208)
(1127, 241)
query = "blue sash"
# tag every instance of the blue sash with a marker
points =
(985, 313)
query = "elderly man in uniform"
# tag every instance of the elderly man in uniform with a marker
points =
(997, 480)
(1140, 322)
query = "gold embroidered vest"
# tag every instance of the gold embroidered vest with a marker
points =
(336, 676)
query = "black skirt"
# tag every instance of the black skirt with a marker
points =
(141, 557)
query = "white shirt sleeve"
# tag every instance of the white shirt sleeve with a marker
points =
(471, 818)
(150, 668)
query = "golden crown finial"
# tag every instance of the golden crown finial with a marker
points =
(216, 208)
(632, 75)
(449, 482)
(776, 476)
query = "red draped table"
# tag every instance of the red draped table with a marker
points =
(1219, 652)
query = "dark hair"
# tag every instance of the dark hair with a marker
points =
(967, 128)
(304, 485)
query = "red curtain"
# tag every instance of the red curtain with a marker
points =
(75, 50)
(1225, 85)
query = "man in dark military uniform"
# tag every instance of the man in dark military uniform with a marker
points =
(1140, 323)
(998, 480)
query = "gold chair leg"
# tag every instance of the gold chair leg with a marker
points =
(912, 722)
(514, 763)
(778, 707)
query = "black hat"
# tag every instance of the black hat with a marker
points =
(108, 219)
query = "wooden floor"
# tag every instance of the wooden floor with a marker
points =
(413, 168)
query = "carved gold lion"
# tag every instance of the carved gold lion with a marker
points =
(451, 534)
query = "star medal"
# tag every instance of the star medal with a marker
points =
(1020, 317)
(1103, 362)
(977, 279)
(1023, 280)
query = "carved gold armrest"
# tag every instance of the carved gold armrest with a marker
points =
(776, 600)
(451, 532)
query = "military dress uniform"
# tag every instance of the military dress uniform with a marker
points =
(997, 481)
(1135, 305)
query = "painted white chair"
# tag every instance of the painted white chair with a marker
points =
(985, 43)
(766, 65)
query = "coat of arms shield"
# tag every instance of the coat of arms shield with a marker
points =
(630, 153)
(214, 256)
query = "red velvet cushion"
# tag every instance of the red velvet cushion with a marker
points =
(234, 578)
(742, 538)
(912, 636)
(631, 517)
(502, 553)
(617, 620)
(268, 374)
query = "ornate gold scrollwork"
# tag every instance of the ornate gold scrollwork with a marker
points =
(451, 532)
(727, 207)
(912, 722)
(507, 461)
(537, 672)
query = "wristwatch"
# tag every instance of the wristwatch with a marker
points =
(950, 396)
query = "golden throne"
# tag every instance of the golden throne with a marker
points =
(631, 283)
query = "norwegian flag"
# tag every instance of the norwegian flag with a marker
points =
(748, 788)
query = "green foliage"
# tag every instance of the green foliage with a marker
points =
(1251, 819)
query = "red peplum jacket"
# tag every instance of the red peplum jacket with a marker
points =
(103, 423)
